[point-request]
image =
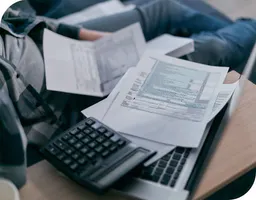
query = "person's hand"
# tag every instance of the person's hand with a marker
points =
(90, 35)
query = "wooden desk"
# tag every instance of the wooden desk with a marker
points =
(234, 156)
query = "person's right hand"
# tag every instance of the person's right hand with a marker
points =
(91, 35)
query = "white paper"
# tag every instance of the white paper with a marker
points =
(96, 11)
(171, 45)
(224, 96)
(168, 100)
(99, 110)
(91, 68)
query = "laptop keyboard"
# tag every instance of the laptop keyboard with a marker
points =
(167, 170)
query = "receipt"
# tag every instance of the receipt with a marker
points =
(91, 68)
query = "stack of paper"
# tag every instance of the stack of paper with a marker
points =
(165, 100)
(95, 11)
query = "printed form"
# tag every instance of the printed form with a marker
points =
(167, 101)
(91, 68)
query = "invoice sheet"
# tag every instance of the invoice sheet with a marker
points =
(87, 68)
(96, 11)
(168, 100)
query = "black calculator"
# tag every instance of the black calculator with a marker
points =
(94, 155)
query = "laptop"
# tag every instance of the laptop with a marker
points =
(177, 174)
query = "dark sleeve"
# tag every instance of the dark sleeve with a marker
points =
(68, 31)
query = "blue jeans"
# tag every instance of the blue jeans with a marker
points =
(217, 42)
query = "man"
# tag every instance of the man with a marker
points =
(44, 113)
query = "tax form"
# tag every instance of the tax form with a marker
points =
(96, 11)
(168, 101)
(91, 68)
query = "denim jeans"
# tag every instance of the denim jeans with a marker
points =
(217, 42)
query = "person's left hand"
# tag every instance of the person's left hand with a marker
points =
(91, 35)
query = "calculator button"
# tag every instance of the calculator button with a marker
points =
(107, 144)
(113, 148)
(72, 141)
(80, 136)
(87, 130)
(99, 149)
(66, 136)
(93, 144)
(82, 126)
(73, 166)
(84, 150)
(115, 138)
(67, 161)
(105, 153)
(89, 122)
(82, 161)
(75, 156)
(101, 139)
(69, 151)
(74, 131)
(86, 140)
(108, 134)
(53, 150)
(91, 155)
(102, 130)
(60, 144)
(94, 135)
(121, 143)
(78, 145)
(61, 156)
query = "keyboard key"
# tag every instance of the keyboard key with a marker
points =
(73, 166)
(113, 148)
(69, 150)
(170, 170)
(162, 164)
(67, 161)
(108, 134)
(166, 157)
(115, 138)
(105, 154)
(94, 135)
(93, 144)
(173, 163)
(121, 143)
(82, 126)
(89, 122)
(173, 183)
(86, 140)
(183, 161)
(53, 150)
(66, 136)
(102, 130)
(78, 145)
(159, 171)
(74, 131)
(180, 168)
(72, 141)
(75, 156)
(176, 156)
(180, 150)
(84, 150)
(107, 144)
(91, 155)
(164, 182)
(99, 149)
(166, 179)
(60, 144)
(156, 178)
(61, 156)
(87, 130)
(186, 153)
(101, 139)
(80, 136)
(82, 161)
